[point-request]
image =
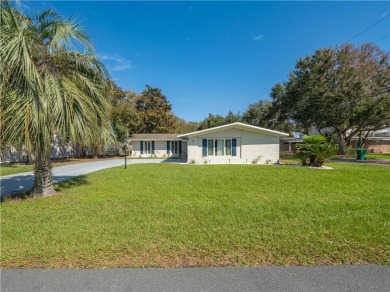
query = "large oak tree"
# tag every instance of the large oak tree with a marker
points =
(346, 89)
(155, 112)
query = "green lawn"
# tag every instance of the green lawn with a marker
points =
(12, 168)
(169, 215)
(295, 160)
(378, 156)
(290, 160)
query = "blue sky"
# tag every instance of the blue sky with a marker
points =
(212, 57)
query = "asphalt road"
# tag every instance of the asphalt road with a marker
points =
(16, 183)
(319, 278)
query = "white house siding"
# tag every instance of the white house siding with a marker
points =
(160, 150)
(251, 148)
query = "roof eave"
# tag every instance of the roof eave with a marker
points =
(237, 125)
(151, 139)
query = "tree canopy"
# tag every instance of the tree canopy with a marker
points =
(148, 112)
(155, 111)
(345, 89)
(257, 114)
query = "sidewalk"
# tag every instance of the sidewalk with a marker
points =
(317, 278)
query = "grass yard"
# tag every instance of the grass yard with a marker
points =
(290, 160)
(12, 168)
(378, 156)
(169, 215)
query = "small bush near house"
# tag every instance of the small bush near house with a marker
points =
(321, 152)
(302, 155)
(316, 149)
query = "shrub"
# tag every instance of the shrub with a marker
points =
(321, 152)
(314, 139)
(350, 152)
(303, 156)
(316, 149)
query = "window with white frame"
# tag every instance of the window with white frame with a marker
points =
(174, 147)
(147, 147)
(219, 147)
(228, 146)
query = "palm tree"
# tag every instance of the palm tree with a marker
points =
(51, 83)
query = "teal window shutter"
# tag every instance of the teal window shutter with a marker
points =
(168, 147)
(234, 147)
(204, 147)
(152, 147)
(141, 146)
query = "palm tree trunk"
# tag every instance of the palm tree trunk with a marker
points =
(319, 162)
(95, 151)
(43, 178)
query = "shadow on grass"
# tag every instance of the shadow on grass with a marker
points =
(72, 182)
(58, 186)
(9, 165)
(15, 197)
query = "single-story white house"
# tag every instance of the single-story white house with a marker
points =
(158, 145)
(235, 143)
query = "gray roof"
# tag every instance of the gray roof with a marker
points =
(154, 137)
(292, 140)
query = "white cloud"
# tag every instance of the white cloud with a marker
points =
(105, 57)
(257, 37)
(22, 6)
(122, 64)
(116, 63)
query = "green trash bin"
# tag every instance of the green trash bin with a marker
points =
(361, 154)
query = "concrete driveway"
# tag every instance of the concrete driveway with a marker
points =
(318, 278)
(20, 182)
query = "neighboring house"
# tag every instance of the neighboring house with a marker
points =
(235, 143)
(59, 150)
(289, 144)
(377, 141)
(158, 145)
